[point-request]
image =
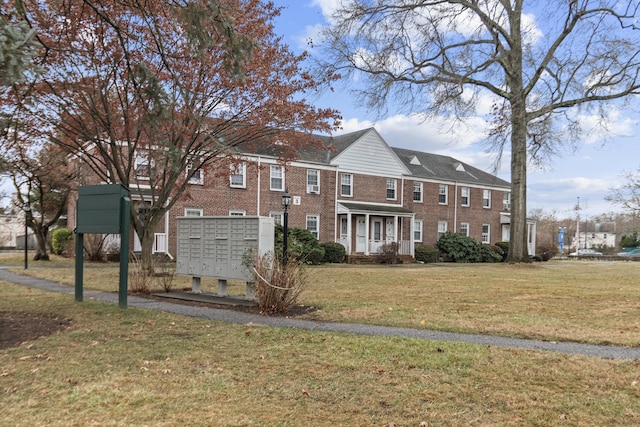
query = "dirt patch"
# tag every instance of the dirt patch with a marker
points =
(17, 328)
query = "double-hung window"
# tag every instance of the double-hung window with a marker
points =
(346, 184)
(313, 181)
(417, 192)
(464, 228)
(238, 175)
(443, 191)
(486, 233)
(506, 201)
(313, 222)
(442, 228)
(196, 177)
(417, 230)
(391, 188)
(486, 199)
(141, 165)
(276, 182)
(464, 196)
(277, 217)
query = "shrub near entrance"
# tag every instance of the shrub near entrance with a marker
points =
(460, 248)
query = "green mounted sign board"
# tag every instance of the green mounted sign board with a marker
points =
(103, 209)
(99, 208)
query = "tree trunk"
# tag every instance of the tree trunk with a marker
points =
(146, 233)
(518, 250)
(41, 243)
(146, 256)
(518, 244)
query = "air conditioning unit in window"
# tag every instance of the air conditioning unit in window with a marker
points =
(314, 189)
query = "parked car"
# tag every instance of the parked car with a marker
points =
(632, 252)
(585, 252)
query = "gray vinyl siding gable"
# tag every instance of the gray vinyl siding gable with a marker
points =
(370, 155)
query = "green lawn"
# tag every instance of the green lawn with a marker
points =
(139, 367)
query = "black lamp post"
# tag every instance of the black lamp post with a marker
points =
(286, 201)
(27, 209)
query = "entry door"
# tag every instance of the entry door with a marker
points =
(361, 243)
(506, 232)
(390, 230)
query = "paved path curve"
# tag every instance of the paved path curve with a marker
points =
(237, 317)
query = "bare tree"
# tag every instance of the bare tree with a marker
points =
(150, 93)
(627, 195)
(440, 56)
(42, 182)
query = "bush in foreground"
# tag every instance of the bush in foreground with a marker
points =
(278, 285)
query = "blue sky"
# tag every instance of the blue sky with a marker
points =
(587, 174)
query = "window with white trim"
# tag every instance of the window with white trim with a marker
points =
(417, 230)
(465, 193)
(486, 228)
(391, 188)
(506, 201)
(346, 184)
(442, 228)
(313, 181)
(277, 217)
(276, 182)
(417, 192)
(193, 212)
(238, 175)
(237, 212)
(464, 228)
(313, 225)
(486, 199)
(141, 165)
(443, 191)
(198, 176)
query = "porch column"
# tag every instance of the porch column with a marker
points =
(349, 233)
(395, 229)
(412, 243)
(366, 234)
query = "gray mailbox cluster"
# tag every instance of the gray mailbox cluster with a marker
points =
(218, 246)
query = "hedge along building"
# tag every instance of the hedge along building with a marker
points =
(355, 189)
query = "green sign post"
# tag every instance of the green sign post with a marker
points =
(103, 209)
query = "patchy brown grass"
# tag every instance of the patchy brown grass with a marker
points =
(139, 367)
(595, 302)
(585, 301)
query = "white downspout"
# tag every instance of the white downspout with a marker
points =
(455, 210)
(258, 193)
(166, 231)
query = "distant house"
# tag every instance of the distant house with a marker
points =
(357, 191)
(596, 235)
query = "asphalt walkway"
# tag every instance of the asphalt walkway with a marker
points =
(237, 317)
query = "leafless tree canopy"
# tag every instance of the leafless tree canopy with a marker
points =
(534, 61)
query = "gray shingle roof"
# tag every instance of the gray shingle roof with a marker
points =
(421, 164)
(435, 166)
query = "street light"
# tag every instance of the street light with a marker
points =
(286, 201)
(27, 209)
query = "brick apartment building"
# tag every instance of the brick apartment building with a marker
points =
(360, 192)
